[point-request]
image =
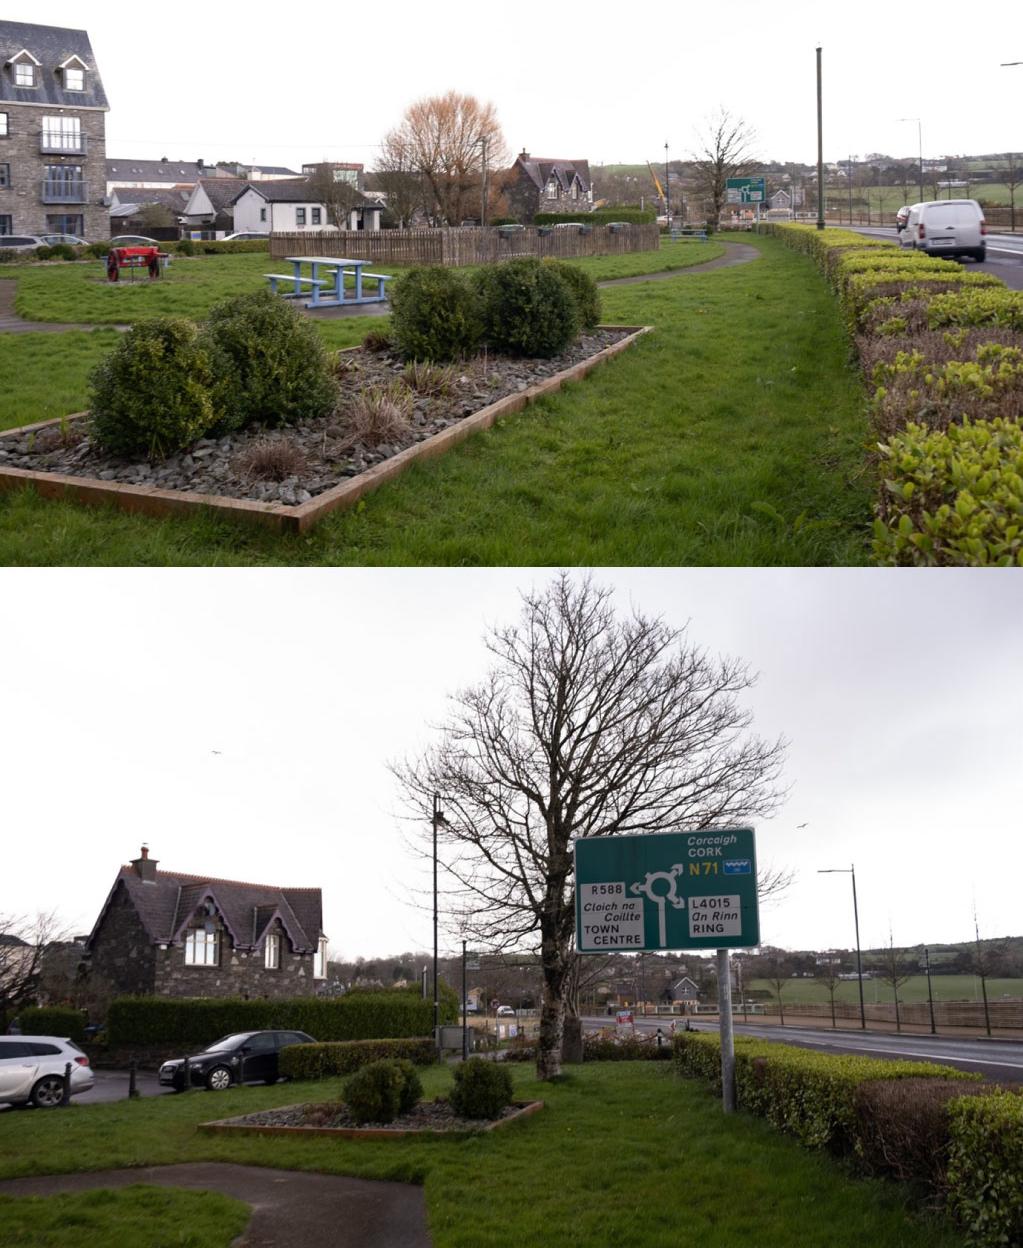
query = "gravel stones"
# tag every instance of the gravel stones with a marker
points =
(425, 1116)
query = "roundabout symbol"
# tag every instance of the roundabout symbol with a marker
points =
(665, 892)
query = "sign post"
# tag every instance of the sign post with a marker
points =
(672, 890)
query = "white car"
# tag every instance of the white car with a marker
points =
(503, 1011)
(32, 1070)
(246, 237)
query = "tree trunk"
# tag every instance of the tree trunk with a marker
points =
(554, 963)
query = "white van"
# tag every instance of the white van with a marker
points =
(946, 227)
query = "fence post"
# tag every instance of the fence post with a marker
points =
(132, 1089)
(65, 1096)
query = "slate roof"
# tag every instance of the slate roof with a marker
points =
(222, 192)
(171, 171)
(166, 904)
(295, 191)
(540, 169)
(51, 46)
(131, 199)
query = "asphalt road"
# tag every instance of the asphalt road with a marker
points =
(1004, 253)
(1001, 1060)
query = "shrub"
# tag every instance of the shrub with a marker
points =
(583, 289)
(271, 459)
(52, 1020)
(952, 498)
(985, 1168)
(99, 251)
(482, 1089)
(321, 1061)
(270, 364)
(379, 415)
(602, 1048)
(151, 394)
(380, 1091)
(378, 340)
(527, 309)
(186, 247)
(64, 251)
(45, 252)
(435, 315)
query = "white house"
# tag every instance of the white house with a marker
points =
(288, 207)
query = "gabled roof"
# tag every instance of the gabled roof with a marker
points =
(166, 904)
(133, 199)
(171, 171)
(295, 191)
(541, 168)
(49, 47)
(221, 192)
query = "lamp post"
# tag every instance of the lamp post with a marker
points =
(667, 190)
(920, 148)
(851, 870)
(820, 148)
(930, 994)
(436, 820)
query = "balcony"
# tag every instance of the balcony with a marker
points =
(65, 191)
(62, 143)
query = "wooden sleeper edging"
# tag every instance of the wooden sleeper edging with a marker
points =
(150, 500)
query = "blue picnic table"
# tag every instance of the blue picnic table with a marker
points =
(326, 281)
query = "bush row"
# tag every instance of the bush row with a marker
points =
(524, 307)
(322, 1061)
(601, 216)
(942, 350)
(99, 251)
(355, 1016)
(52, 1020)
(960, 1137)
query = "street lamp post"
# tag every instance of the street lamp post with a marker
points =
(920, 149)
(667, 190)
(851, 870)
(436, 820)
(820, 148)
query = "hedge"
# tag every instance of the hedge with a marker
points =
(321, 1061)
(52, 1020)
(356, 1016)
(602, 216)
(985, 1171)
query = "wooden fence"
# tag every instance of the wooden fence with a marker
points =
(466, 245)
(1003, 1014)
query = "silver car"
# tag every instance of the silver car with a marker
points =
(32, 1070)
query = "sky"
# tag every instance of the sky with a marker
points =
(582, 81)
(242, 723)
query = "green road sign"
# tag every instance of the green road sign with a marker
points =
(670, 890)
(745, 190)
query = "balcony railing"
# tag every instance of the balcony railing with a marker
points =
(65, 192)
(59, 142)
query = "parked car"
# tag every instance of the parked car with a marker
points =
(946, 227)
(72, 240)
(133, 240)
(32, 1070)
(249, 237)
(22, 242)
(504, 1010)
(569, 225)
(901, 217)
(243, 1057)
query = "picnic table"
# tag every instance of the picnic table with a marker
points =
(328, 290)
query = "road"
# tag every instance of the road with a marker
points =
(1004, 253)
(996, 1059)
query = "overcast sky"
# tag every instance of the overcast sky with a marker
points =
(242, 722)
(602, 82)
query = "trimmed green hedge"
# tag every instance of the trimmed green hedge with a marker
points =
(322, 1061)
(602, 216)
(52, 1020)
(356, 1016)
(985, 1170)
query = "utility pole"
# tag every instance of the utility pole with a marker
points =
(930, 994)
(667, 190)
(820, 147)
(851, 870)
(438, 818)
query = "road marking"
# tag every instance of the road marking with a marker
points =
(874, 1048)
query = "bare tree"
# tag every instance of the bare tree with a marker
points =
(895, 967)
(24, 943)
(447, 140)
(399, 180)
(830, 975)
(587, 725)
(338, 194)
(1013, 178)
(775, 971)
(724, 150)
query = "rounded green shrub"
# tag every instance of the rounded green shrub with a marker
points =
(381, 1091)
(45, 252)
(583, 289)
(269, 364)
(151, 395)
(527, 308)
(482, 1089)
(185, 247)
(435, 315)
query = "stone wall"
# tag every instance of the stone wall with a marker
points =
(122, 954)
(22, 200)
(241, 973)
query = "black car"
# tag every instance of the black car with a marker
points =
(242, 1057)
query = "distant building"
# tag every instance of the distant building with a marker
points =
(539, 184)
(164, 173)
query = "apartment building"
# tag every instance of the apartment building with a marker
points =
(52, 133)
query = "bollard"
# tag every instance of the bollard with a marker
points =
(65, 1097)
(133, 1091)
(186, 1075)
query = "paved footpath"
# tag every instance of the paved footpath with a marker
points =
(735, 253)
(290, 1208)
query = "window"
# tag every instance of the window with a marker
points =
(202, 948)
(24, 74)
(5, 175)
(262, 1042)
(272, 952)
(62, 134)
(300, 216)
(262, 214)
(12, 1049)
(316, 216)
(5, 128)
(66, 224)
(74, 79)
(35, 1049)
(320, 962)
(5, 224)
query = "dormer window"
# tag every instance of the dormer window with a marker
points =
(24, 74)
(74, 79)
(272, 952)
(202, 947)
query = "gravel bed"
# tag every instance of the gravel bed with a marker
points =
(328, 454)
(426, 1116)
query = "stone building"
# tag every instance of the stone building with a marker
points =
(52, 133)
(541, 184)
(170, 934)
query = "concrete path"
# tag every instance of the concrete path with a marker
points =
(11, 322)
(735, 253)
(290, 1208)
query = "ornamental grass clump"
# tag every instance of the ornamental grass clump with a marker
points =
(380, 415)
(435, 315)
(527, 308)
(269, 363)
(151, 395)
(482, 1089)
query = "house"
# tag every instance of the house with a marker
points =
(150, 212)
(164, 173)
(183, 935)
(684, 989)
(539, 184)
(52, 133)
(210, 211)
(292, 207)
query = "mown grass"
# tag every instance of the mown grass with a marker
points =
(623, 1153)
(733, 435)
(140, 1216)
(944, 988)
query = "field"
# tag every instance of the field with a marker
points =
(944, 987)
(623, 1153)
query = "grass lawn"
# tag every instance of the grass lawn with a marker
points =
(132, 1217)
(734, 435)
(623, 1153)
(944, 987)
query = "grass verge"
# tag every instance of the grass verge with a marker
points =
(623, 1153)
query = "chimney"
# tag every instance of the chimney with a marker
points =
(523, 155)
(145, 867)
